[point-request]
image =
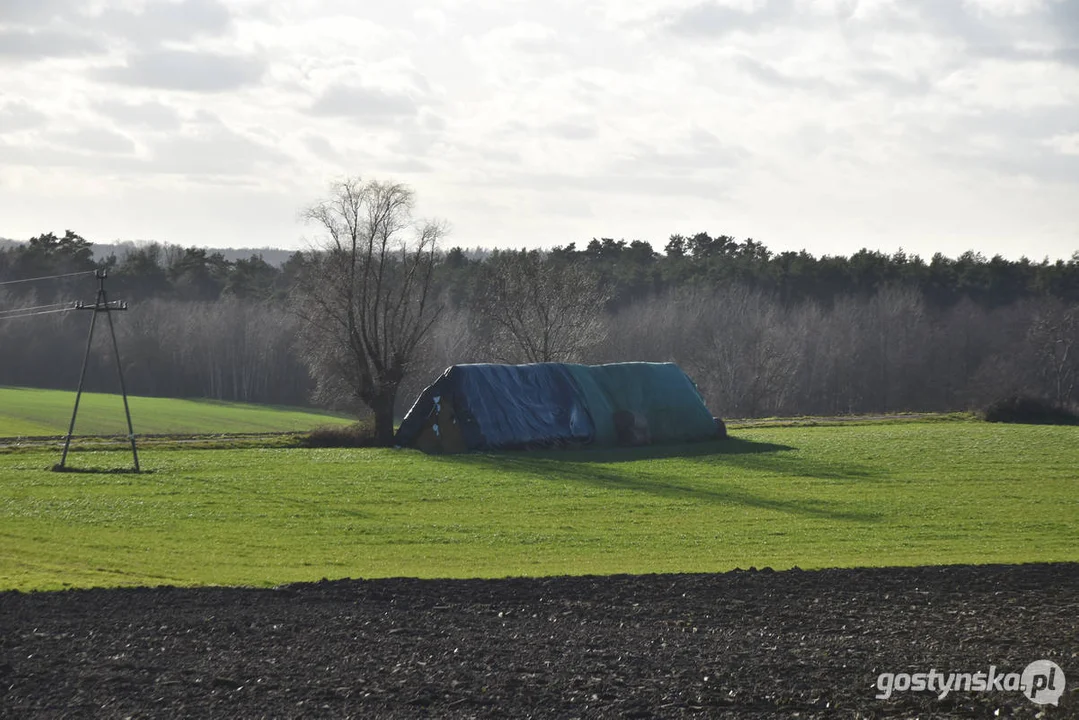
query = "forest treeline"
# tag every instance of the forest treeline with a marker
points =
(762, 333)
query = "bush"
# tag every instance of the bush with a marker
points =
(1029, 410)
(361, 434)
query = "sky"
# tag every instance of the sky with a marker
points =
(825, 125)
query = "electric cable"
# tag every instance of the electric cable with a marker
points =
(50, 306)
(35, 314)
(48, 277)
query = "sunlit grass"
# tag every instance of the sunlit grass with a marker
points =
(30, 412)
(870, 495)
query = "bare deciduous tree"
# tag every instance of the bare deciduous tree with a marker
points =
(365, 296)
(1054, 337)
(538, 310)
(740, 346)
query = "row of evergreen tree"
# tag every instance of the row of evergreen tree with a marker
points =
(630, 271)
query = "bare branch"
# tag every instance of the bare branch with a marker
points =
(365, 297)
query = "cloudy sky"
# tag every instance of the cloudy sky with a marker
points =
(830, 125)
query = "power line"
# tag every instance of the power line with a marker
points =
(35, 314)
(50, 306)
(47, 277)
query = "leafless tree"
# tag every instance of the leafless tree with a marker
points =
(1054, 339)
(365, 296)
(452, 341)
(898, 337)
(741, 346)
(538, 310)
(229, 349)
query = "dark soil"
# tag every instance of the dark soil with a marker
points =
(740, 644)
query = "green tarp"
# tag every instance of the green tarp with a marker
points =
(661, 393)
(516, 406)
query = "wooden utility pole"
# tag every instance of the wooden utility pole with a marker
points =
(101, 305)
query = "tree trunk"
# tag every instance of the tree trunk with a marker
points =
(382, 405)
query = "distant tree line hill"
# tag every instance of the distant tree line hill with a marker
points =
(630, 271)
(141, 271)
(635, 270)
(273, 256)
(763, 333)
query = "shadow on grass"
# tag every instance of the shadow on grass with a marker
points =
(733, 451)
(727, 447)
(100, 471)
(792, 465)
(599, 469)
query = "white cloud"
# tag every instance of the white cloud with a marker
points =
(368, 104)
(29, 45)
(433, 17)
(95, 140)
(171, 20)
(35, 12)
(213, 149)
(321, 147)
(829, 124)
(712, 18)
(19, 115)
(188, 70)
(523, 37)
(1064, 144)
(574, 129)
(146, 114)
(1000, 85)
(1005, 8)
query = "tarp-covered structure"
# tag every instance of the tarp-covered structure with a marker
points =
(492, 407)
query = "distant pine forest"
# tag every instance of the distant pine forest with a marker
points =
(761, 333)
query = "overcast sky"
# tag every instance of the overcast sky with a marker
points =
(830, 125)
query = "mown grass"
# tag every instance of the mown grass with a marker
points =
(869, 495)
(28, 412)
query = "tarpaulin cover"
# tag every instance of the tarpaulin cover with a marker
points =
(516, 406)
(660, 392)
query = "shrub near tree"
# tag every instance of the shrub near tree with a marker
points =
(1029, 411)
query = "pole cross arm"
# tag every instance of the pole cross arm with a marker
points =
(110, 306)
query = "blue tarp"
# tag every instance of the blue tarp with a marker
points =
(518, 406)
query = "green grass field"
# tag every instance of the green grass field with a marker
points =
(29, 412)
(868, 495)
